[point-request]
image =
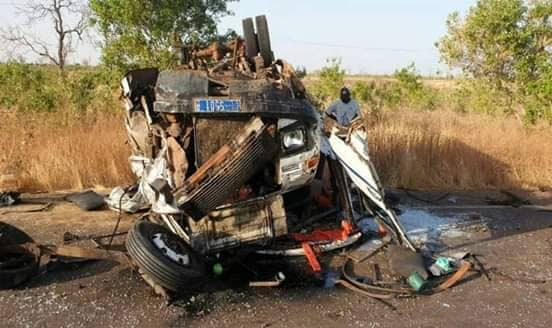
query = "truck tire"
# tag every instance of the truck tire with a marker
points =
(164, 257)
(251, 47)
(263, 37)
(11, 235)
(17, 263)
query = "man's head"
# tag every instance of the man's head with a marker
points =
(345, 95)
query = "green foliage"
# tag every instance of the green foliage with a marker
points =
(408, 78)
(139, 33)
(331, 80)
(405, 91)
(479, 96)
(364, 92)
(505, 44)
(36, 88)
(26, 86)
(410, 92)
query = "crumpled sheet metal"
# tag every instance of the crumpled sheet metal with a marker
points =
(353, 155)
(176, 89)
(148, 171)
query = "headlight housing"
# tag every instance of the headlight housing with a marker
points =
(294, 139)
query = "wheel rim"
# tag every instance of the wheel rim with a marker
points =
(172, 248)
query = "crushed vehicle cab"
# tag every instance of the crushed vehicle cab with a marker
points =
(226, 148)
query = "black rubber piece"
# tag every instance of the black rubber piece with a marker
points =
(11, 235)
(161, 269)
(16, 267)
(251, 47)
(263, 37)
(87, 200)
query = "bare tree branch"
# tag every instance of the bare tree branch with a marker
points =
(57, 12)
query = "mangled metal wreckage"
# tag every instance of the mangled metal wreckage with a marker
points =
(228, 150)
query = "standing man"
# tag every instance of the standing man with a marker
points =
(345, 109)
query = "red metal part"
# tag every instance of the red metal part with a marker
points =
(311, 257)
(323, 235)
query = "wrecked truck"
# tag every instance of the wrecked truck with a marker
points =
(230, 156)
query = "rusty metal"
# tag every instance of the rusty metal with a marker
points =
(257, 221)
(83, 253)
(227, 170)
(459, 274)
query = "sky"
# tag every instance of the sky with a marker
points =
(369, 36)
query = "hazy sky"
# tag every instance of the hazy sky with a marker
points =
(373, 37)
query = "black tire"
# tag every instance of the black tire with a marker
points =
(263, 37)
(251, 47)
(11, 235)
(157, 265)
(18, 264)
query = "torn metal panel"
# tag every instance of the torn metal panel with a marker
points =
(353, 155)
(175, 89)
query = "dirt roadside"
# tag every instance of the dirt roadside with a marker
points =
(518, 242)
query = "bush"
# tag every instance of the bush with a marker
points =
(36, 88)
(331, 80)
(27, 87)
(480, 97)
(90, 90)
(412, 92)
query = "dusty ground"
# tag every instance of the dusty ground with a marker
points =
(518, 242)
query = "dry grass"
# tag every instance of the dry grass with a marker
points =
(449, 151)
(432, 151)
(46, 155)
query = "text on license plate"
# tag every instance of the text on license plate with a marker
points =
(217, 105)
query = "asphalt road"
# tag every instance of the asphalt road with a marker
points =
(515, 241)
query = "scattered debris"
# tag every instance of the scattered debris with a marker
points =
(278, 279)
(8, 198)
(87, 200)
(18, 258)
(404, 262)
(41, 208)
(367, 249)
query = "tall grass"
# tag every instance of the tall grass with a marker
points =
(443, 150)
(47, 156)
(437, 150)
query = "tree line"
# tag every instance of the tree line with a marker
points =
(504, 46)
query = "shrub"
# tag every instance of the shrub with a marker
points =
(26, 87)
(331, 80)
(411, 90)
(36, 88)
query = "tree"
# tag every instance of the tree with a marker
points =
(507, 43)
(140, 32)
(57, 11)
